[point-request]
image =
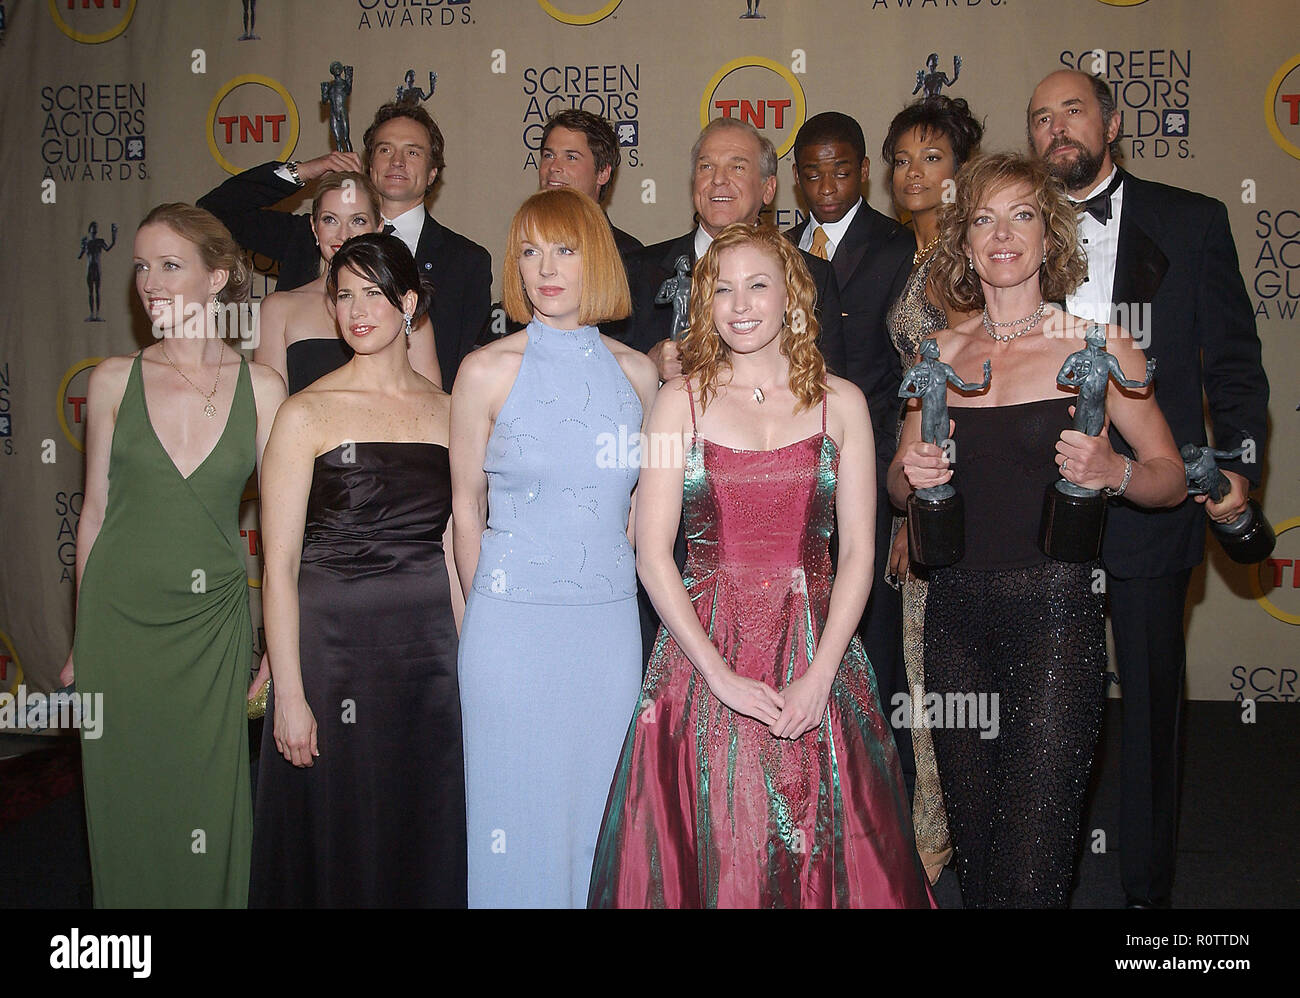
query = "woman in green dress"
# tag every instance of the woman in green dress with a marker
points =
(163, 629)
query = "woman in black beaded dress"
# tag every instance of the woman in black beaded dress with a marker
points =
(1016, 639)
(927, 143)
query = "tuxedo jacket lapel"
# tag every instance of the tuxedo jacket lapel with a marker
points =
(1140, 265)
(857, 240)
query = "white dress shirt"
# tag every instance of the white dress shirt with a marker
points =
(834, 231)
(702, 241)
(409, 225)
(1092, 299)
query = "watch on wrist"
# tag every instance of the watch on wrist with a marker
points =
(1123, 486)
(292, 167)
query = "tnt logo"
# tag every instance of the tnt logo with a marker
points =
(251, 119)
(72, 401)
(1174, 123)
(1275, 582)
(628, 133)
(135, 148)
(250, 532)
(1284, 106)
(760, 92)
(92, 21)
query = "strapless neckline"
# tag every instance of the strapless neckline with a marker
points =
(380, 443)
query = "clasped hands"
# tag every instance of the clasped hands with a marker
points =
(790, 713)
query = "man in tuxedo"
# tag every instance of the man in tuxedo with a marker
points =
(733, 177)
(872, 259)
(1151, 243)
(404, 152)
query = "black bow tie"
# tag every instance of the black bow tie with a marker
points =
(390, 228)
(1098, 206)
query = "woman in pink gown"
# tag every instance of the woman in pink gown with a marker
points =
(758, 770)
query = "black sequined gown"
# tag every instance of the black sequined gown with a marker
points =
(1008, 622)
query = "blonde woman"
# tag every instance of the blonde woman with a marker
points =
(758, 770)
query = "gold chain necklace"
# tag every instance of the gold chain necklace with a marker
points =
(924, 251)
(210, 409)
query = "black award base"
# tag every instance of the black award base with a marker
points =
(1249, 539)
(1072, 525)
(936, 530)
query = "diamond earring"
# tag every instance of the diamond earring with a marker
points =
(407, 317)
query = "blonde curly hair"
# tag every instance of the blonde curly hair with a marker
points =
(703, 352)
(954, 281)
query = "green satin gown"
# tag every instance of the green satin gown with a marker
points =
(163, 632)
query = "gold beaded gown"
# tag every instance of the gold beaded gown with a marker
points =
(911, 319)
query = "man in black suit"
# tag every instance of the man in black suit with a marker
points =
(733, 177)
(872, 259)
(1148, 243)
(404, 151)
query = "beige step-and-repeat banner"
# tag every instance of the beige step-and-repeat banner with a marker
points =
(108, 107)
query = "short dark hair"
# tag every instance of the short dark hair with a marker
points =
(385, 260)
(387, 112)
(600, 139)
(831, 126)
(949, 116)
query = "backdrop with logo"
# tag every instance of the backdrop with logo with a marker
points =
(108, 107)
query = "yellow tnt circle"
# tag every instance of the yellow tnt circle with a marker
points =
(800, 105)
(73, 371)
(1270, 103)
(1257, 590)
(567, 18)
(265, 81)
(13, 654)
(84, 37)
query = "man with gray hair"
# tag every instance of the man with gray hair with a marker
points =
(733, 178)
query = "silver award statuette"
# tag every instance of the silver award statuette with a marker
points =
(936, 517)
(676, 291)
(1074, 517)
(1248, 539)
(334, 93)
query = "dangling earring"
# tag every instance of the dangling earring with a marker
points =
(407, 317)
(216, 309)
(970, 263)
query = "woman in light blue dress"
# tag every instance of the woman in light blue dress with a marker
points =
(545, 426)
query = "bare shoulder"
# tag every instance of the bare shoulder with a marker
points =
(845, 393)
(112, 371)
(108, 380)
(267, 383)
(845, 405)
(490, 364)
(673, 401)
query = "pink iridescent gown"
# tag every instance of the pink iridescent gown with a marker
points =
(707, 808)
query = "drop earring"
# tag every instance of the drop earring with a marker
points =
(407, 317)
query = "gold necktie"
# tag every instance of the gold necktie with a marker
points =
(819, 242)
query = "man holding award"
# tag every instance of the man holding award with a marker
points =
(1006, 622)
(1164, 255)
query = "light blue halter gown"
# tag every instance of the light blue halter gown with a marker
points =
(550, 648)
